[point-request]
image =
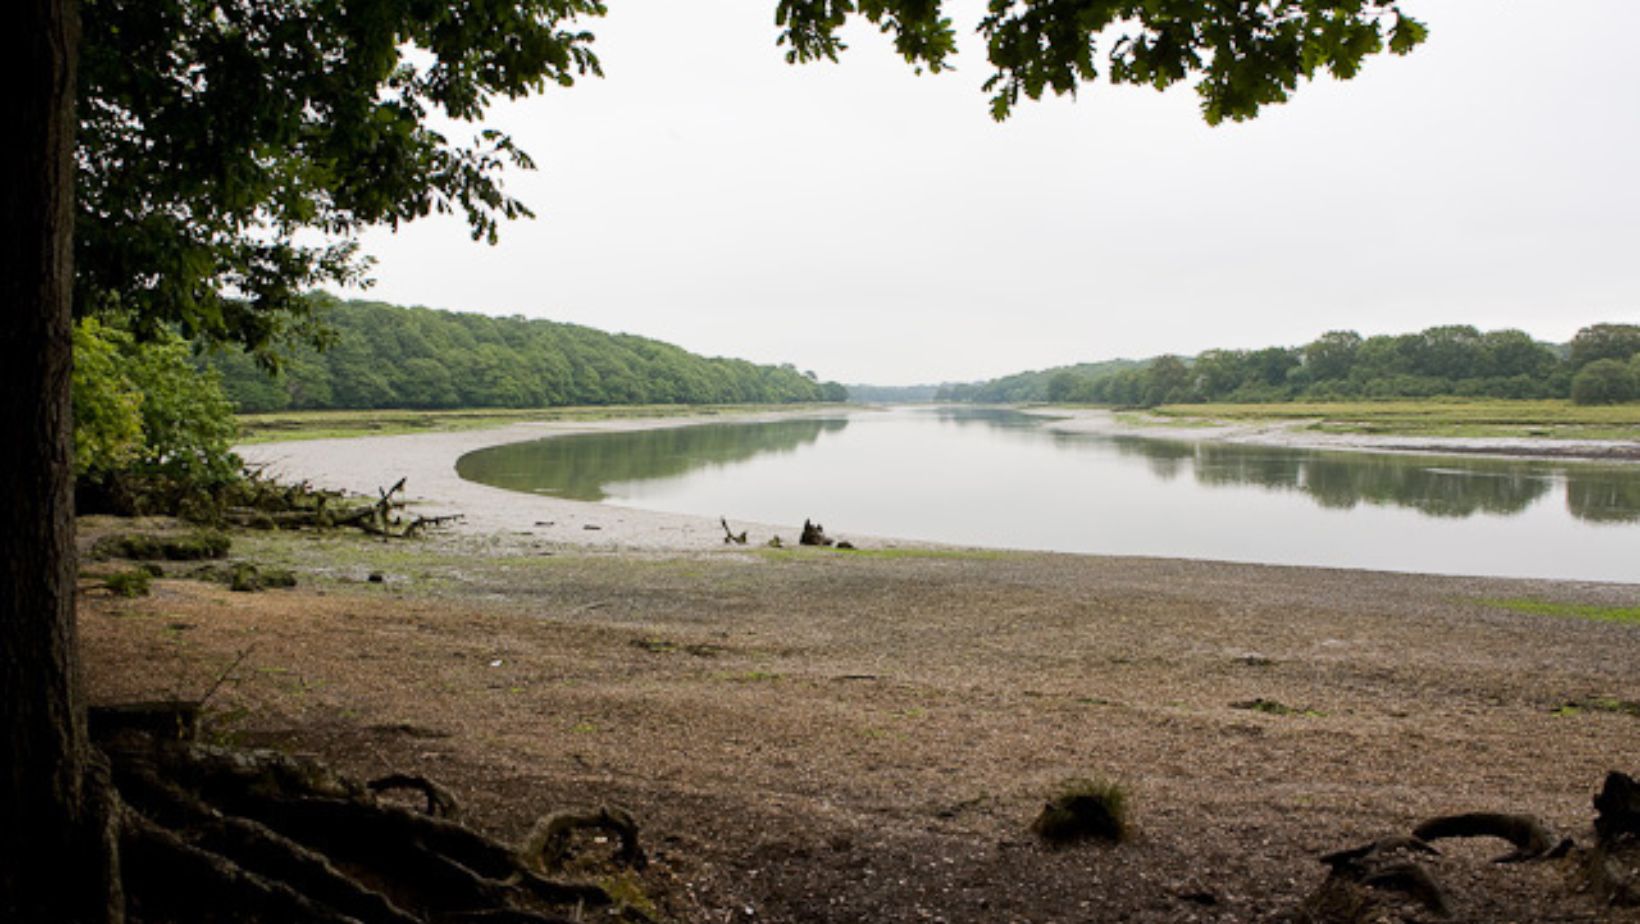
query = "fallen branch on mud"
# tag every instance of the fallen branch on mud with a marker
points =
(301, 507)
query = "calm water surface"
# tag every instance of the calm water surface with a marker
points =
(1002, 478)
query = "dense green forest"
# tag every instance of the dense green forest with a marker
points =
(1601, 365)
(386, 356)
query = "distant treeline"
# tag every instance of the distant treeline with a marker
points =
(1600, 365)
(893, 394)
(386, 356)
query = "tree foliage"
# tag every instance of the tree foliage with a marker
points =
(1240, 56)
(230, 151)
(1604, 381)
(386, 356)
(1456, 360)
(144, 408)
(213, 132)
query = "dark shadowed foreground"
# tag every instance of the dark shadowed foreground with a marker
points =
(830, 736)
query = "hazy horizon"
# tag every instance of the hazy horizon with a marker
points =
(876, 227)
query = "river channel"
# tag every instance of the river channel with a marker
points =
(1005, 479)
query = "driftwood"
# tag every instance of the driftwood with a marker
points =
(223, 834)
(730, 536)
(814, 534)
(307, 509)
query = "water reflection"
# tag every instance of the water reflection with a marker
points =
(1342, 480)
(579, 467)
(1604, 497)
(1002, 478)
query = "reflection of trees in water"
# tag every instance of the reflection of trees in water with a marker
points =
(1342, 480)
(1000, 419)
(1165, 458)
(1604, 496)
(579, 466)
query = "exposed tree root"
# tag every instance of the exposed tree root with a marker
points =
(1531, 839)
(440, 801)
(1353, 892)
(548, 843)
(221, 834)
(1611, 865)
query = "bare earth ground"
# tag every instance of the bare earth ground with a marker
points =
(823, 736)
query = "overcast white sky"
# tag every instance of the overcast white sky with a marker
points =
(876, 226)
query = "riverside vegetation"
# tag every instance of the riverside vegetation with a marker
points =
(1601, 365)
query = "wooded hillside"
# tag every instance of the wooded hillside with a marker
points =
(1601, 365)
(387, 356)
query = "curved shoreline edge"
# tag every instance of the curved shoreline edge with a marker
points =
(427, 462)
(362, 465)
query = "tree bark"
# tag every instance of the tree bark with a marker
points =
(56, 860)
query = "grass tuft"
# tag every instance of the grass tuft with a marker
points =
(1084, 809)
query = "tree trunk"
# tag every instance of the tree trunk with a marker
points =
(55, 859)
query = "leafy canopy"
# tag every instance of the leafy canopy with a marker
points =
(142, 408)
(231, 151)
(213, 133)
(1242, 54)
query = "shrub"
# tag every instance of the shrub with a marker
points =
(1604, 381)
(134, 583)
(1084, 809)
(147, 421)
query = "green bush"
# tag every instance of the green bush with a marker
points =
(133, 583)
(151, 429)
(1604, 381)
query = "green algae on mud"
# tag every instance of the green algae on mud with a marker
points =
(1627, 615)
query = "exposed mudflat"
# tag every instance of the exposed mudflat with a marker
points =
(825, 736)
(811, 735)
